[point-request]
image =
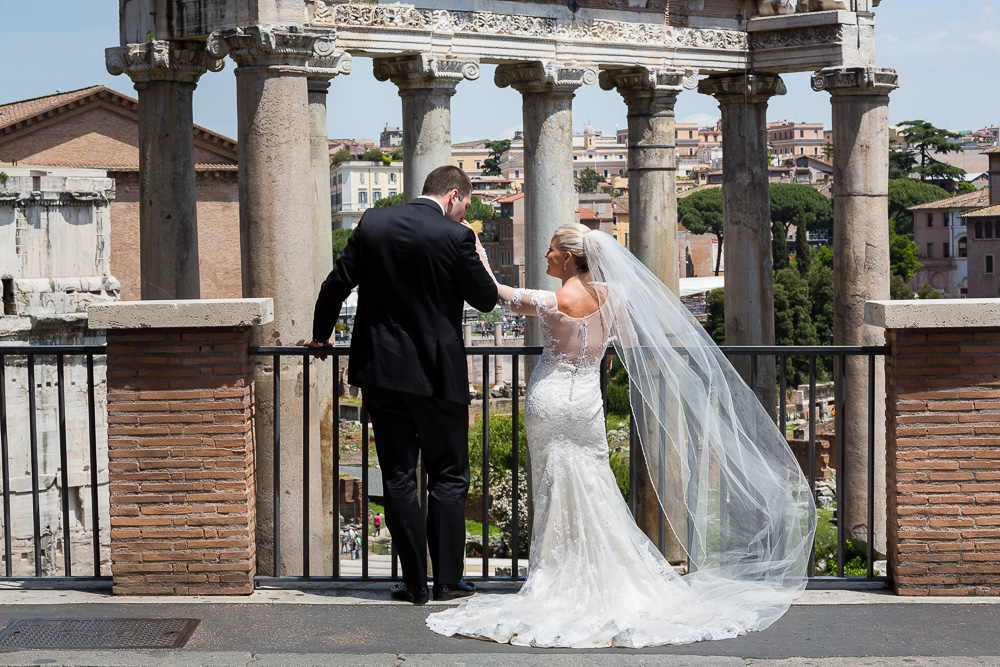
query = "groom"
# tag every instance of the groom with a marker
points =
(415, 265)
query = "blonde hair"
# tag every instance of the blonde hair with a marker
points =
(569, 238)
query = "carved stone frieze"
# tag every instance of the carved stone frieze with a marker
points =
(271, 45)
(425, 69)
(740, 87)
(645, 81)
(162, 60)
(329, 66)
(784, 39)
(848, 80)
(539, 77)
(781, 7)
(407, 17)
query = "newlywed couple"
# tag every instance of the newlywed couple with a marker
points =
(731, 489)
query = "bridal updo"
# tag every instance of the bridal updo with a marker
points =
(569, 238)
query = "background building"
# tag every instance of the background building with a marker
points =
(357, 184)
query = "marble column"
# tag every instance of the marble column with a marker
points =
(747, 228)
(426, 84)
(650, 95)
(547, 91)
(321, 70)
(860, 99)
(165, 74)
(277, 236)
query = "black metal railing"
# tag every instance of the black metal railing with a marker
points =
(780, 356)
(33, 358)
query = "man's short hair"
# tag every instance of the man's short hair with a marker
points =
(443, 180)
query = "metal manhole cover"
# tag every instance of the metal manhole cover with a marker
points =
(98, 633)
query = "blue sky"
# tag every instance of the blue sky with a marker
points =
(944, 58)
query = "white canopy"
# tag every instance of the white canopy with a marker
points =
(691, 286)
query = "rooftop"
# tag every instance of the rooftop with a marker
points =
(977, 199)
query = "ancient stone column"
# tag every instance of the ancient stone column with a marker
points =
(277, 235)
(426, 84)
(652, 168)
(860, 98)
(547, 91)
(321, 69)
(747, 214)
(165, 75)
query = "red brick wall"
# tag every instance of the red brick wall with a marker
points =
(180, 448)
(943, 461)
(218, 235)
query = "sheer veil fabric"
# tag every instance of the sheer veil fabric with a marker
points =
(728, 484)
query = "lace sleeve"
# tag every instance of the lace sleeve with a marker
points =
(526, 301)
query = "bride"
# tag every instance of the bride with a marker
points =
(730, 488)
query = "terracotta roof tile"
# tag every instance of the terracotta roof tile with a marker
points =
(976, 199)
(988, 212)
(15, 112)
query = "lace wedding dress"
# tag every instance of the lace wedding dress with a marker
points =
(594, 578)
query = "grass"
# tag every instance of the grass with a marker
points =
(855, 562)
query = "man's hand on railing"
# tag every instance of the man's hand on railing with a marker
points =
(312, 343)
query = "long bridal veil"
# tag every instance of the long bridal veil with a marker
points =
(729, 485)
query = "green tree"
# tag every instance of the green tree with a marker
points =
(964, 188)
(797, 204)
(589, 180)
(343, 155)
(491, 165)
(828, 150)
(803, 254)
(391, 200)
(902, 254)
(340, 237)
(479, 211)
(821, 296)
(906, 192)
(374, 154)
(779, 246)
(701, 213)
(901, 161)
(715, 308)
(898, 289)
(793, 323)
(926, 291)
(924, 142)
(397, 154)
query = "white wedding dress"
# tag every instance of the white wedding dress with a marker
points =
(594, 578)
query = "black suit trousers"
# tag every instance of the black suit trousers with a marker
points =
(407, 425)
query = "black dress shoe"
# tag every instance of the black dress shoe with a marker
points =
(462, 589)
(407, 593)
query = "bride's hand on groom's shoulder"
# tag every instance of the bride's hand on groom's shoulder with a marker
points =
(312, 343)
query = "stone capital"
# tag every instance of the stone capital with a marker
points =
(643, 82)
(856, 80)
(162, 60)
(544, 77)
(739, 88)
(321, 69)
(425, 71)
(271, 45)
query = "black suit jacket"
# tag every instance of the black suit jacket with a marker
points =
(415, 268)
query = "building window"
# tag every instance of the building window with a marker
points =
(690, 134)
(517, 173)
(362, 197)
(392, 177)
(690, 151)
(621, 156)
(605, 173)
(375, 178)
(930, 219)
(989, 263)
(815, 150)
(944, 250)
(392, 193)
(979, 229)
(815, 134)
(989, 229)
(621, 172)
(963, 247)
(574, 157)
(479, 164)
(947, 219)
(376, 195)
(576, 173)
(361, 177)
(590, 156)
(930, 250)
(605, 156)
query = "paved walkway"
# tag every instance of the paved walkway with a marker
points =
(353, 625)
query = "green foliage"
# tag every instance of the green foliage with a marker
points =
(898, 289)
(479, 211)
(823, 257)
(618, 401)
(397, 154)
(925, 141)
(375, 154)
(825, 549)
(391, 200)
(620, 467)
(906, 192)
(715, 308)
(820, 280)
(779, 246)
(926, 291)
(902, 254)
(343, 155)
(502, 455)
(901, 162)
(491, 165)
(589, 180)
(827, 150)
(793, 319)
(803, 253)
(964, 188)
(701, 213)
(797, 204)
(340, 237)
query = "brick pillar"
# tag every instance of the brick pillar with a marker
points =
(181, 445)
(942, 444)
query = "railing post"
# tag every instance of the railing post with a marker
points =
(181, 448)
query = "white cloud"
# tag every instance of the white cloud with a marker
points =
(986, 14)
(702, 119)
